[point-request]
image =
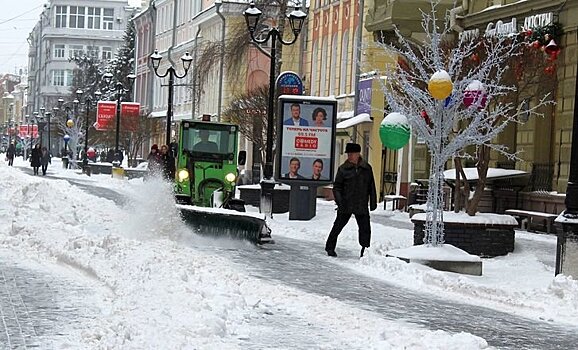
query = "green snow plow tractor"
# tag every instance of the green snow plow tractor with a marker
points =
(206, 175)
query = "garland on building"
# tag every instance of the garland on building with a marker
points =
(547, 40)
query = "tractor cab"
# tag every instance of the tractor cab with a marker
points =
(207, 161)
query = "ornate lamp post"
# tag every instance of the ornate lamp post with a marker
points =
(10, 123)
(119, 90)
(87, 104)
(171, 73)
(296, 20)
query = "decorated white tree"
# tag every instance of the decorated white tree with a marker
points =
(449, 103)
(73, 126)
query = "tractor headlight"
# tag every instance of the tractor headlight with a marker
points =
(183, 175)
(230, 177)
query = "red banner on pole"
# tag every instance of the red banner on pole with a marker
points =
(129, 112)
(24, 133)
(105, 114)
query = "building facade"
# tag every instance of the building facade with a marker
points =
(69, 28)
(543, 143)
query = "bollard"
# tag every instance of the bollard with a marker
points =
(117, 173)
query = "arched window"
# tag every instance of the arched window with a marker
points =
(333, 66)
(313, 78)
(344, 62)
(324, 64)
(354, 60)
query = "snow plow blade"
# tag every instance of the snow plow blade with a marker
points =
(226, 223)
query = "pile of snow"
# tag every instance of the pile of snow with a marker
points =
(159, 291)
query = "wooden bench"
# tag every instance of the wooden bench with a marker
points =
(392, 198)
(548, 218)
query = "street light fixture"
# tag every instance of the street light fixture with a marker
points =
(186, 59)
(87, 104)
(119, 89)
(296, 20)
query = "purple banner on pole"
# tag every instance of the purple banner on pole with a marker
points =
(364, 101)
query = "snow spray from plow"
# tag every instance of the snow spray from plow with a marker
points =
(226, 223)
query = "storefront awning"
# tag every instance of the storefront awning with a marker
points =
(358, 119)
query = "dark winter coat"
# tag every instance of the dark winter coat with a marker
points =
(154, 162)
(168, 163)
(354, 187)
(11, 151)
(35, 157)
(45, 158)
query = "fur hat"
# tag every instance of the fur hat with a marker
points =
(352, 148)
(155, 146)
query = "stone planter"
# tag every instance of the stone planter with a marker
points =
(482, 239)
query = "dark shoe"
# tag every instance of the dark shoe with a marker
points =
(331, 253)
(362, 251)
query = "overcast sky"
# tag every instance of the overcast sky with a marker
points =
(17, 18)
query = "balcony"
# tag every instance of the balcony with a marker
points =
(383, 14)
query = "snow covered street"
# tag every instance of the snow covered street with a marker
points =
(133, 276)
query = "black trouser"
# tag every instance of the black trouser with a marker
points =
(10, 161)
(44, 167)
(340, 222)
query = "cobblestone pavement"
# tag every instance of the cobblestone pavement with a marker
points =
(303, 265)
(39, 307)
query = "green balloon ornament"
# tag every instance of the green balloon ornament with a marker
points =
(394, 131)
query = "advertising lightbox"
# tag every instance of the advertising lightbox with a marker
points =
(306, 142)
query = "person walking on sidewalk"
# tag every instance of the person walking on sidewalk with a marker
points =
(35, 157)
(10, 153)
(45, 159)
(168, 163)
(353, 188)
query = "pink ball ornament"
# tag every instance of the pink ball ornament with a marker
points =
(475, 93)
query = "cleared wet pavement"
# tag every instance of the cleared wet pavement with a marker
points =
(39, 307)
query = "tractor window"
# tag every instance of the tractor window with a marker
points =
(213, 142)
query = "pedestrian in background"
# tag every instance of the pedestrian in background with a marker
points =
(168, 163)
(154, 161)
(35, 157)
(353, 188)
(45, 160)
(10, 153)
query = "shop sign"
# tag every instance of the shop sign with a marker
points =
(540, 20)
(501, 28)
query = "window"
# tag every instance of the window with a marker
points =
(76, 18)
(75, 51)
(107, 19)
(59, 51)
(344, 62)
(314, 59)
(106, 52)
(92, 51)
(333, 66)
(323, 68)
(58, 77)
(69, 76)
(93, 18)
(60, 19)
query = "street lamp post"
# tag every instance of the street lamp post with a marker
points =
(10, 123)
(29, 126)
(119, 90)
(87, 104)
(296, 20)
(171, 73)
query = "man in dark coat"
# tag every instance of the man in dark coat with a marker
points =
(353, 188)
(10, 153)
